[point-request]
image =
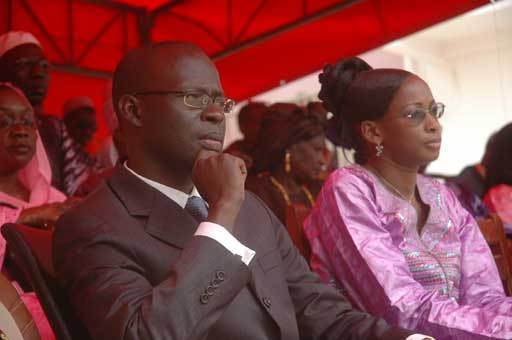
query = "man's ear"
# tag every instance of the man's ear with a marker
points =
(371, 132)
(129, 109)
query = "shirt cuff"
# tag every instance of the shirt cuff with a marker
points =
(224, 237)
(419, 337)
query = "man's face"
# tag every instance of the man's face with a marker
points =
(81, 125)
(173, 133)
(27, 67)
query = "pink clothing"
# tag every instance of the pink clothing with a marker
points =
(499, 200)
(443, 282)
(36, 177)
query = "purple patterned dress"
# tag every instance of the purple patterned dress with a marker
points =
(442, 282)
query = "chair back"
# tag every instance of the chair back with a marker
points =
(494, 233)
(295, 216)
(30, 251)
(15, 320)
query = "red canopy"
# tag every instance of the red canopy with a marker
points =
(255, 43)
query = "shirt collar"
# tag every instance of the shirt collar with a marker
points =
(177, 196)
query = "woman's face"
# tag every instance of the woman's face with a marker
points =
(17, 131)
(411, 133)
(307, 158)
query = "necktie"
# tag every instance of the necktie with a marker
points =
(196, 207)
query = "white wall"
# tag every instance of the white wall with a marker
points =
(466, 61)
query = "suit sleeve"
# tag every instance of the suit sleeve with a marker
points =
(321, 311)
(111, 295)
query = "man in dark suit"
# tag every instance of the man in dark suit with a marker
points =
(144, 257)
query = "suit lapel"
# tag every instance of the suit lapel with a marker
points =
(168, 222)
(164, 219)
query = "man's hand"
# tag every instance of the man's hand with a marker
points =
(220, 179)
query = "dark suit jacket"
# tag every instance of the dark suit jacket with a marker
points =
(132, 269)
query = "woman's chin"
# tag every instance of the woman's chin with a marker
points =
(22, 161)
(429, 159)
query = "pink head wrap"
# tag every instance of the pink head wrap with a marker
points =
(13, 39)
(39, 165)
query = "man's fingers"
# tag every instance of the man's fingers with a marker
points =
(205, 154)
(241, 165)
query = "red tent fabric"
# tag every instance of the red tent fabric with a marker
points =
(256, 44)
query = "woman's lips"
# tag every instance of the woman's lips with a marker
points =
(434, 144)
(20, 149)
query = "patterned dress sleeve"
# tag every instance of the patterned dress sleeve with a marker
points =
(352, 246)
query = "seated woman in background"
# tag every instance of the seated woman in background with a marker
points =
(25, 193)
(398, 243)
(498, 197)
(290, 156)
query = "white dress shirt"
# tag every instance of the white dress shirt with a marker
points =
(208, 229)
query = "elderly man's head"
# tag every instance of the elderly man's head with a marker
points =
(170, 105)
(80, 119)
(23, 63)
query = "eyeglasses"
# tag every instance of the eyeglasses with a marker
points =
(195, 99)
(417, 115)
(7, 122)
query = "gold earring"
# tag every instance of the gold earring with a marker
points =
(287, 162)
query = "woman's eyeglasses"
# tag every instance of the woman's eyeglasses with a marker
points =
(417, 115)
(7, 122)
(195, 99)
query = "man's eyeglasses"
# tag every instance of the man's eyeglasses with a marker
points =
(196, 100)
(417, 115)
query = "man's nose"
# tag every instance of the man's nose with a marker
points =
(39, 70)
(213, 113)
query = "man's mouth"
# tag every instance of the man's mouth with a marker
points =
(37, 92)
(211, 144)
(37, 89)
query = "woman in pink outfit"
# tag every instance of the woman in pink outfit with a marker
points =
(25, 193)
(399, 244)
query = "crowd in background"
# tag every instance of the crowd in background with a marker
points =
(352, 230)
